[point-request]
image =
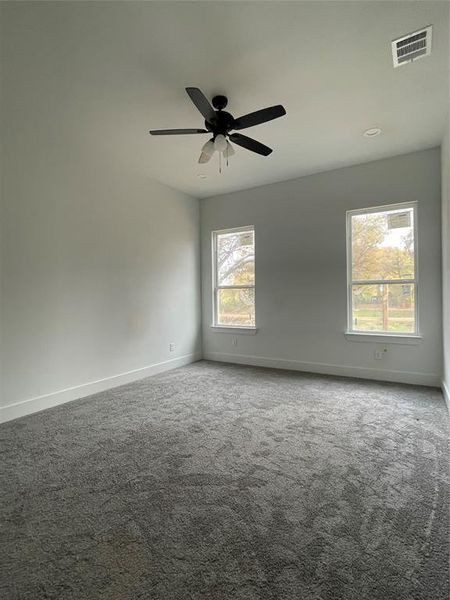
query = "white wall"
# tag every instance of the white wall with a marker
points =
(446, 261)
(100, 265)
(301, 269)
(446, 251)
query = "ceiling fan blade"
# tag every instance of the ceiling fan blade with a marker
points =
(176, 131)
(250, 144)
(204, 158)
(202, 103)
(260, 116)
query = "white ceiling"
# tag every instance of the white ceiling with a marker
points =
(121, 69)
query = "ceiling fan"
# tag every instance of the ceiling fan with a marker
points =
(220, 124)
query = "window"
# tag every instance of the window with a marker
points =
(234, 277)
(382, 270)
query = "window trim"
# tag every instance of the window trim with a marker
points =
(215, 287)
(415, 281)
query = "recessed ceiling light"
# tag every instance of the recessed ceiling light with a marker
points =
(201, 176)
(373, 132)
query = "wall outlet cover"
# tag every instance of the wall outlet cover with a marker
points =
(378, 354)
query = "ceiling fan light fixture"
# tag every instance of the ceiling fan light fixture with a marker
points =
(229, 150)
(220, 143)
(204, 158)
(209, 148)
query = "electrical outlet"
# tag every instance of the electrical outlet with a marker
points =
(234, 340)
(378, 355)
(172, 347)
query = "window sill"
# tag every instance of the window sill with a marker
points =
(234, 329)
(383, 338)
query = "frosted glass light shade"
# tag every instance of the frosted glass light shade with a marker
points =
(204, 158)
(220, 143)
(229, 150)
(209, 148)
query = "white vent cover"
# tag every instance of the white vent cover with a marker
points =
(412, 46)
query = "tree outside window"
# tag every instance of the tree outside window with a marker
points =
(382, 281)
(234, 277)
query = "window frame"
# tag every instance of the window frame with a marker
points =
(350, 283)
(215, 285)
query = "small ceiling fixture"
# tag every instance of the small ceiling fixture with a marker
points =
(373, 132)
(201, 176)
(220, 124)
(412, 46)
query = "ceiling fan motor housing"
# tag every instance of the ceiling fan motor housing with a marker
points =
(219, 102)
(222, 123)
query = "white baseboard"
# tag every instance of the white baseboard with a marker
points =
(429, 379)
(446, 394)
(26, 407)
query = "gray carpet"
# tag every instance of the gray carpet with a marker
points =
(223, 482)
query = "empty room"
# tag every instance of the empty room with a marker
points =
(224, 300)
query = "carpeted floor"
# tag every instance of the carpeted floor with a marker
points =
(227, 482)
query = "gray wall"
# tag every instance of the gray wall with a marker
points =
(100, 265)
(301, 270)
(446, 261)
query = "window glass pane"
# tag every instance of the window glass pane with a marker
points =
(236, 307)
(384, 308)
(236, 258)
(383, 245)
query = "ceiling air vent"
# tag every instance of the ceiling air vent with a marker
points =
(412, 46)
